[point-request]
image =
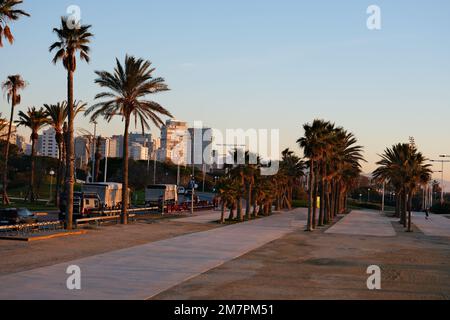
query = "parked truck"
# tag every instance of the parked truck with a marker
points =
(110, 194)
(94, 199)
(161, 195)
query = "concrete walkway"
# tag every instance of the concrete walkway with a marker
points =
(364, 223)
(144, 271)
(202, 218)
(436, 225)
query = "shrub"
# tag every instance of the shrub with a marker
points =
(441, 208)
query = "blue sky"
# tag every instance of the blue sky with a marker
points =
(262, 64)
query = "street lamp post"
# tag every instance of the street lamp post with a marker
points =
(52, 173)
(107, 143)
(368, 195)
(442, 174)
(93, 150)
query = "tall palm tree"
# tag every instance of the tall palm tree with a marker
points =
(8, 13)
(57, 115)
(11, 87)
(34, 119)
(404, 167)
(313, 144)
(128, 86)
(293, 168)
(228, 190)
(70, 42)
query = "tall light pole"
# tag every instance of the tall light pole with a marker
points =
(52, 173)
(93, 150)
(442, 174)
(107, 143)
(382, 201)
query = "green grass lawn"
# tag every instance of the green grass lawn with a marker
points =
(37, 206)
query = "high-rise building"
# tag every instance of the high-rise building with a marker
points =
(174, 142)
(47, 146)
(138, 152)
(155, 146)
(82, 151)
(108, 146)
(200, 151)
(144, 140)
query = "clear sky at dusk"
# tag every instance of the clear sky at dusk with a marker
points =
(262, 64)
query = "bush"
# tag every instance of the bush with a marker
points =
(300, 203)
(441, 208)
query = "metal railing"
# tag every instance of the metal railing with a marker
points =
(26, 229)
(99, 220)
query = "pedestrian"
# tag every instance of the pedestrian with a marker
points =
(427, 213)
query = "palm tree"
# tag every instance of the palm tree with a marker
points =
(128, 88)
(70, 42)
(8, 13)
(57, 115)
(404, 168)
(228, 190)
(11, 87)
(313, 144)
(34, 120)
(293, 168)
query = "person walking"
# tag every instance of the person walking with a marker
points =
(427, 213)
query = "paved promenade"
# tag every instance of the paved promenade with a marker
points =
(436, 225)
(144, 271)
(364, 223)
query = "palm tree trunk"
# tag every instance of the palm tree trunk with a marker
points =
(322, 196)
(124, 215)
(70, 152)
(31, 193)
(59, 174)
(397, 206)
(5, 198)
(239, 208)
(410, 196)
(316, 193)
(404, 208)
(249, 201)
(222, 213)
(311, 195)
(231, 215)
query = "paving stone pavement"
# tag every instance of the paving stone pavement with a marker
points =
(142, 272)
(366, 223)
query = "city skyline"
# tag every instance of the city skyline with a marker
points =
(342, 71)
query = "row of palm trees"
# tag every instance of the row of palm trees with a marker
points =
(404, 169)
(261, 193)
(334, 164)
(127, 88)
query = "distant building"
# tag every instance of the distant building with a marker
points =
(82, 151)
(21, 143)
(144, 140)
(200, 151)
(154, 147)
(4, 133)
(47, 146)
(108, 146)
(174, 142)
(138, 152)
